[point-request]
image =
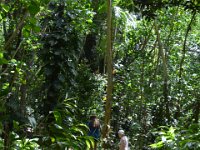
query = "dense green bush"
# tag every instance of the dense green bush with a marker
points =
(177, 138)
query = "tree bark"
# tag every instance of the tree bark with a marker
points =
(15, 33)
(109, 66)
(165, 73)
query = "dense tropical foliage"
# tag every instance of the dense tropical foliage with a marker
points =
(134, 63)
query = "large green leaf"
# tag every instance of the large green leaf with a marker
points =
(5, 7)
(34, 8)
(2, 59)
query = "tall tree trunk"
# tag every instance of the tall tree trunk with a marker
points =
(109, 66)
(184, 45)
(165, 73)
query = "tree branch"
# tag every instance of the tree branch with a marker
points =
(19, 27)
(184, 45)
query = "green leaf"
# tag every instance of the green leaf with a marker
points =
(89, 21)
(25, 32)
(88, 143)
(58, 117)
(3, 61)
(84, 126)
(16, 124)
(102, 8)
(36, 29)
(5, 7)
(157, 145)
(58, 127)
(53, 139)
(32, 121)
(171, 132)
(1, 55)
(5, 89)
(34, 8)
(13, 62)
(78, 130)
(45, 1)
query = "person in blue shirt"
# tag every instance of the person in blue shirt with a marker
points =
(94, 130)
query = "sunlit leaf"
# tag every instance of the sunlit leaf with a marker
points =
(87, 143)
(5, 7)
(32, 121)
(58, 117)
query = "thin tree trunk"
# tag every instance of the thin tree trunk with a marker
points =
(184, 45)
(165, 73)
(182, 62)
(6, 136)
(109, 66)
(15, 33)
